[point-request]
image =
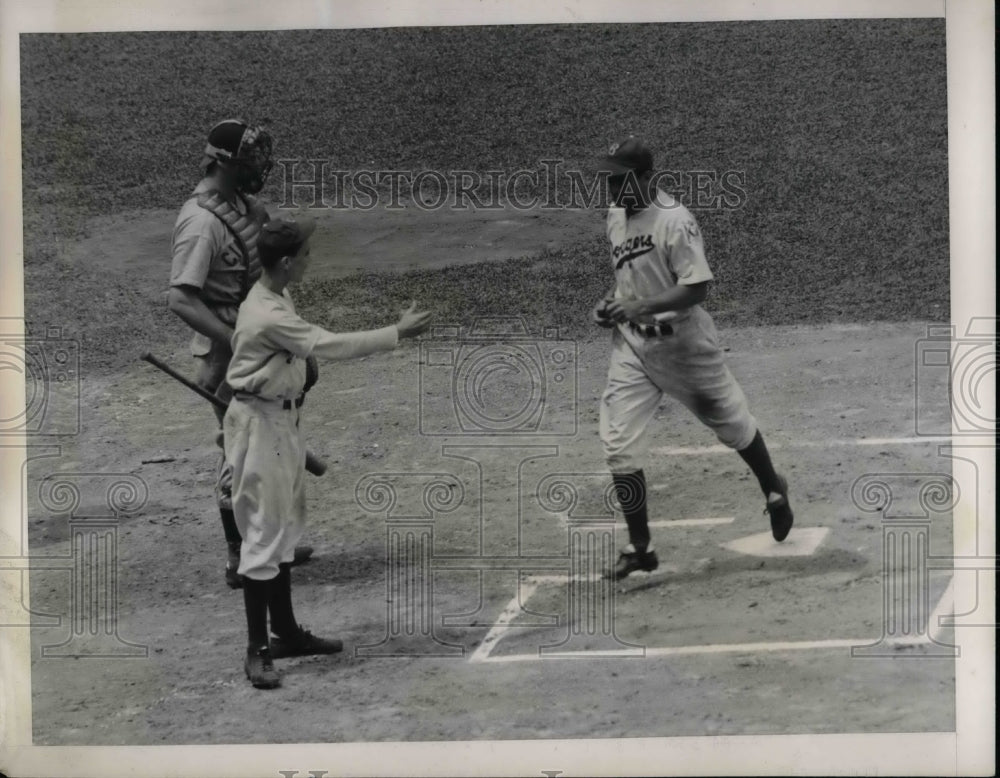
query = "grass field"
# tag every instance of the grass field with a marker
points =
(839, 128)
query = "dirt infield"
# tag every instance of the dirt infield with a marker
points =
(726, 638)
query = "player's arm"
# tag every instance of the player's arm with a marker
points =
(347, 345)
(289, 332)
(196, 239)
(186, 302)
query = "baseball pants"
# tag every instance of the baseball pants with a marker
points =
(267, 454)
(687, 366)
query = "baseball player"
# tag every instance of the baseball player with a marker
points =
(264, 443)
(214, 264)
(664, 342)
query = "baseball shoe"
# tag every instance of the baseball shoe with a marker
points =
(302, 555)
(259, 668)
(233, 579)
(631, 560)
(780, 510)
(303, 644)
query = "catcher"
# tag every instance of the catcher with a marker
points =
(664, 342)
(215, 261)
(264, 442)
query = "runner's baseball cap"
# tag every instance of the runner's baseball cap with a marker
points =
(630, 154)
(283, 237)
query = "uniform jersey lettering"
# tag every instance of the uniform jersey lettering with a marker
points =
(634, 247)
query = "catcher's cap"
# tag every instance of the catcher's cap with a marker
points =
(284, 237)
(629, 155)
(226, 139)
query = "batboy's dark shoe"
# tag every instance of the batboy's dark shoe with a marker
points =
(780, 511)
(259, 668)
(303, 644)
(630, 561)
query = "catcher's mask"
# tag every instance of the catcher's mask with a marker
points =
(243, 149)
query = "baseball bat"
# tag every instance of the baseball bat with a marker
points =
(314, 464)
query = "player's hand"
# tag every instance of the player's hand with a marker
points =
(599, 315)
(413, 322)
(624, 310)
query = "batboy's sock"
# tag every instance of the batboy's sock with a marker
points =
(757, 456)
(283, 622)
(229, 527)
(255, 597)
(631, 491)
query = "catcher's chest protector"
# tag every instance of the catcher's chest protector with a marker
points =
(245, 228)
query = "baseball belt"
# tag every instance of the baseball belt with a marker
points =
(286, 405)
(651, 330)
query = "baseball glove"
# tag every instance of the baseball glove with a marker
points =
(312, 373)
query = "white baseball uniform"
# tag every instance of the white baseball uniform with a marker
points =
(655, 249)
(263, 438)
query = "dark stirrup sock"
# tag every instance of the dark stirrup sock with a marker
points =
(631, 491)
(255, 599)
(283, 622)
(757, 456)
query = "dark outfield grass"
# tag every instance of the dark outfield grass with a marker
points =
(839, 128)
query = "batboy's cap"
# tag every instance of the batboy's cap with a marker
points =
(285, 236)
(629, 155)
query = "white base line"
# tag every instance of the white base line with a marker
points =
(668, 523)
(934, 627)
(693, 522)
(720, 449)
(721, 648)
(524, 591)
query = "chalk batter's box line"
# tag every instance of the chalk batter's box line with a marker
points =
(821, 444)
(710, 521)
(936, 623)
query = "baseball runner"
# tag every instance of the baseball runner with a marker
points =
(214, 264)
(264, 442)
(664, 342)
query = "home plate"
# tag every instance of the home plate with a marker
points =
(800, 542)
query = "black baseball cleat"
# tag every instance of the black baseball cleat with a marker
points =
(259, 668)
(780, 510)
(303, 644)
(233, 579)
(630, 560)
(302, 555)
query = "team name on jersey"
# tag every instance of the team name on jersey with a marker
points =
(634, 247)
